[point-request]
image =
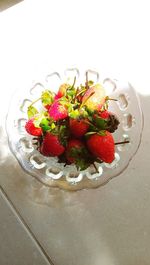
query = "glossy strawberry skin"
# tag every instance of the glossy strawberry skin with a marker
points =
(58, 95)
(102, 147)
(102, 114)
(95, 101)
(57, 111)
(31, 129)
(73, 143)
(61, 91)
(51, 145)
(78, 128)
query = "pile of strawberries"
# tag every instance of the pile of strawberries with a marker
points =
(74, 124)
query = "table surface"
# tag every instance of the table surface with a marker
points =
(109, 225)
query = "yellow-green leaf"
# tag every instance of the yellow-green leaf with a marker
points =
(47, 97)
(32, 111)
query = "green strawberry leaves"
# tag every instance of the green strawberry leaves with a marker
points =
(82, 164)
(42, 121)
(45, 125)
(74, 114)
(71, 92)
(63, 134)
(32, 111)
(47, 97)
(90, 83)
(100, 123)
(83, 159)
(102, 133)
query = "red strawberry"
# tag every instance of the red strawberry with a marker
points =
(62, 91)
(57, 111)
(110, 121)
(58, 95)
(31, 129)
(104, 114)
(51, 145)
(102, 147)
(73, 148)
(47, 106)
(78, 128)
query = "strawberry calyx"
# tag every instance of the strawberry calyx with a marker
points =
(77, 153)
(47, 98)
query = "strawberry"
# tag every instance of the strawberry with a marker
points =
(51, 145)
(31, 129)
(73, 146)
(61, 91)
(78, 128)
(58, 95)
(47, 98)
(97, 98)
(106, 120)
(102, 147)
(74, 124)
(104, 114)
(57, 111)
(76, 152)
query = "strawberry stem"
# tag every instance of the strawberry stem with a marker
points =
(35, 101)
(123, 142)
(76, 94)
(92, 124)
(80, 92)
(83, 103)
(74, 81)
(86, 83)
(95, 167)
(114, 99)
